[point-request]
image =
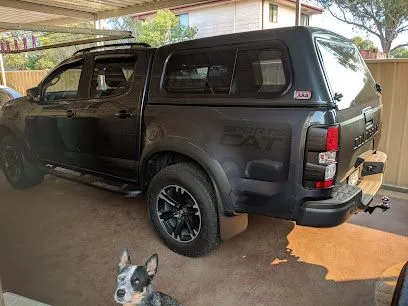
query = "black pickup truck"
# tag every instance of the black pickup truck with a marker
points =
(283, 122)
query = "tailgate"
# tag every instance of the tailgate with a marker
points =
(358, 102)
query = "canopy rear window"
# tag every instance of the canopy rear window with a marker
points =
(345, 70)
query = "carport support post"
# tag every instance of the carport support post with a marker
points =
(1, 295)
(3, 73)
(298, 11)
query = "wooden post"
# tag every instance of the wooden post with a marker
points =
(3, 73)
(298, 12)
(1, 295)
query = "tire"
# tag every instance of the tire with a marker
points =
(18, 171)
(195, 204)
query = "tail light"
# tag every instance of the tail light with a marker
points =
(322, 144)
(332, 138)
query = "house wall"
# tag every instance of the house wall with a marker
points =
(238, 16)
(286, 16)
(231, 17)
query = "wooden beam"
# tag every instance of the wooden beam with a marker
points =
(47, 9)
(58, 21)
(145, 7)
(57, 29)
(66, 44)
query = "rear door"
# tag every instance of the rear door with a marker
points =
(109, 119)
(358, 101)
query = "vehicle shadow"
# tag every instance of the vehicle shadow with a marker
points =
(393, 220)
(61, 242)
(257, 268)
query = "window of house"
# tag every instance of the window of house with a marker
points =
(273, 13)
(200, 72)
(112, 76)
(183, 19)
(64, 84)
(259, 72)
(304, 19)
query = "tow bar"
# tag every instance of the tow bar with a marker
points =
(384, 206)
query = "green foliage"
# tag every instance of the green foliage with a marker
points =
(46, 59)
(15, 61)
(363, 44)
(163, 28)
(125, 23)
(400, 53)
(386, 19)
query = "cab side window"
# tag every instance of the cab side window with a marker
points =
(112, 76)
(64, 84)
(259, 72)
(200, 72)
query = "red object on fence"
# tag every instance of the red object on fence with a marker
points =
(368, 54)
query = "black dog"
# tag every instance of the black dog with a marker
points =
(135, 284)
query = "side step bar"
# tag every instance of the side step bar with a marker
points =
(126, 189)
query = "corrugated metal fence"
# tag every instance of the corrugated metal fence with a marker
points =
(392, 74)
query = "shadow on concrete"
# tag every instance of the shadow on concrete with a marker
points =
(393, 220)
(268, 273)
(60, 244)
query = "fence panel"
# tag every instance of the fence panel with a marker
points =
(22, 80)
(392, 75)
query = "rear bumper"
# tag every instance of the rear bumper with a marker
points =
(347, 199)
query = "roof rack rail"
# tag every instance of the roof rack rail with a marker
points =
(130, 45)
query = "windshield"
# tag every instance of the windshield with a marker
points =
(346, 71)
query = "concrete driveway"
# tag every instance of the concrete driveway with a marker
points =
(61, 241)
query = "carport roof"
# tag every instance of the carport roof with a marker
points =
(59, 12)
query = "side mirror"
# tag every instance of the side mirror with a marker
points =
(34, 94)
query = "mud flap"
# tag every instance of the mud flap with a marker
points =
(232, 226)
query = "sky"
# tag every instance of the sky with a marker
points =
(327, 21)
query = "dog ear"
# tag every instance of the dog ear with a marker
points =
(151, 265)
(124, 259)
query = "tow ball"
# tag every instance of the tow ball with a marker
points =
(384, 205)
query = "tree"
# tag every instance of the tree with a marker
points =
(386, 19)
(35, 60)
(163, 28)
(400, 53)
(363, 44)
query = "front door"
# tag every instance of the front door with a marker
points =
(110, 119)
(50, 126)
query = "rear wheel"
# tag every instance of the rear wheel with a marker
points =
(182, 207)
(18, 172)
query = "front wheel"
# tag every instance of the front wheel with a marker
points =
(18, 172)
(182, 208)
